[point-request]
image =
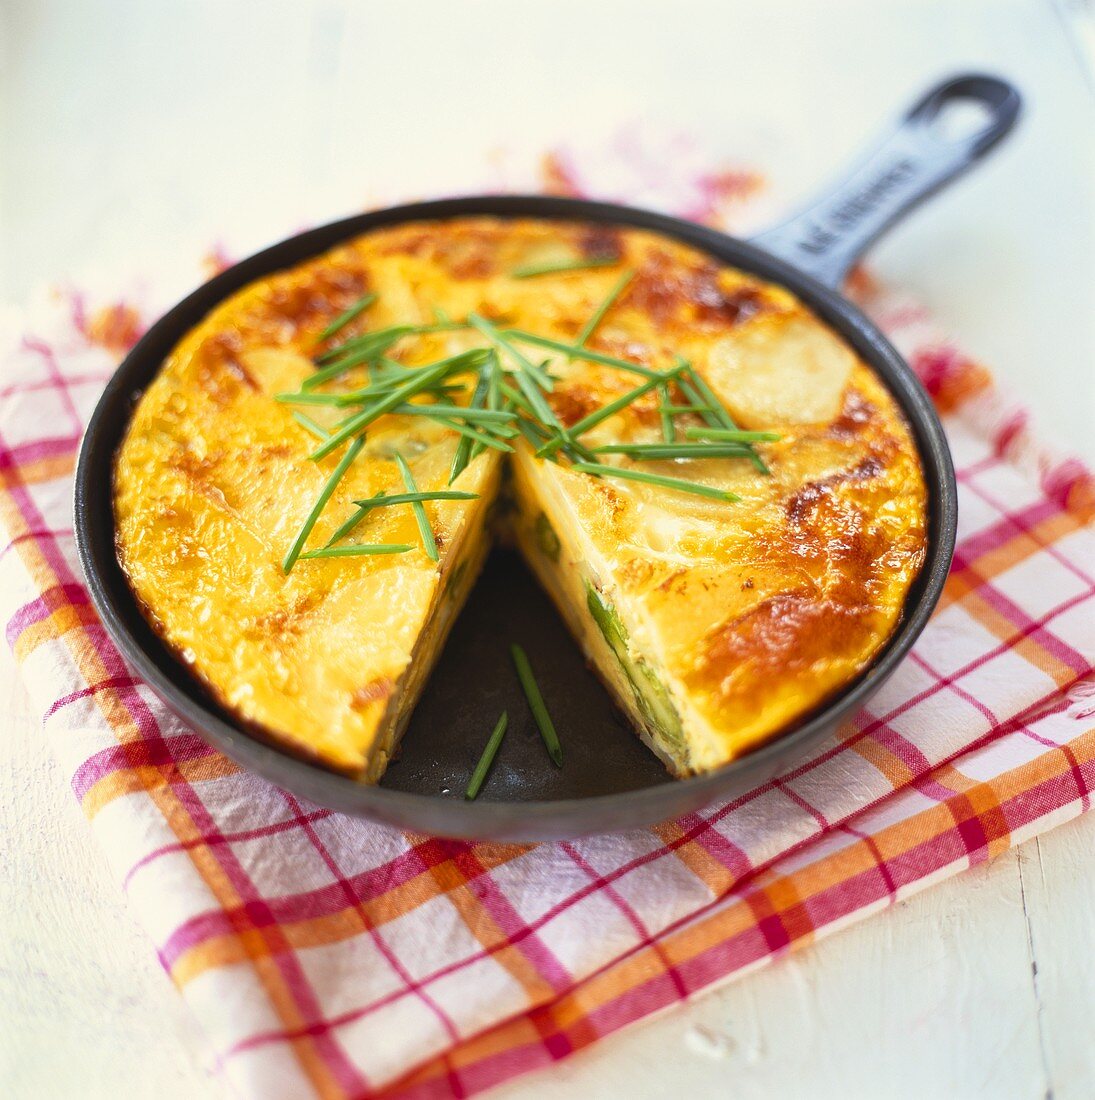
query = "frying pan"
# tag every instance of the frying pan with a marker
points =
(610, 781)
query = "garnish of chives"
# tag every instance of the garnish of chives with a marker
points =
(543, 411)
(332, 482)
(485, 761)
(382, 499)
(341, 366)
(386, 336)
(590, 326)
(357, 549)
(605, 411)
(675, 450)
(467, 360)
(532, 431)
(677, 483)
(308, 424)
(345, 528)
(529, 271)
(463, 453)
(479, 437)
(344, 319)
(429, 543)
(709, 397)
(535, 398)
(470, 413)
(573, 351)
(515, 397)
(723, 418)
(318, 399)
(732, 435)
(366, 394)
(542, 379)
(366, 342)
(706, 412)
(669, 433)
(536, 704)
(441, 326)
(491, 373)
(494, 367)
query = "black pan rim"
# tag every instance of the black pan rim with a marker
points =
(114, 602)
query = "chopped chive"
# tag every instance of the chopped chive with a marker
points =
(656, 479)
(536, 704)
(709, 397)
(382, 499)
(367, 341)
(436, 371)
(705, 412)
(532, 431)
(494, 368)
(680, 410)
(675, 450)
(328, 490)
(529, 271)
(492, 441)
(605, 411)
(485, 761)
(350, 397)
(334, 401)
(357, 549)
(345, 528)
(320, 399)
(591, 325)
(515, 397)
(335, 370)
(573, 351)
(669, 433)
(429, 543)
(387, 337)
(451, 326)
(534, 397)
(387, 368)
(493, 373)
(725, 420)
(543, 411)
(471, 413)
(461, 457)
(344, 319)
(543, 380)
(310, 425)
(732, 435)
(463, 453)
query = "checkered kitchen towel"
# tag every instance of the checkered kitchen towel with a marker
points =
(328, 956)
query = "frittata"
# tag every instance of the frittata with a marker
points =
(742, 555)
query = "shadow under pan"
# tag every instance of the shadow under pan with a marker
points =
(475, 681)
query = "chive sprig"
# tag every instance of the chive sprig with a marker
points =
(556, 267)
(479, 776)
(536, 704)
(508, 399)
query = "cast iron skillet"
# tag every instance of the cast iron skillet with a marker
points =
(609, 781)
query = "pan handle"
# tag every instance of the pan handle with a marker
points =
(912, 162)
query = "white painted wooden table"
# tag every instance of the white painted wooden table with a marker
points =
(134, 133)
